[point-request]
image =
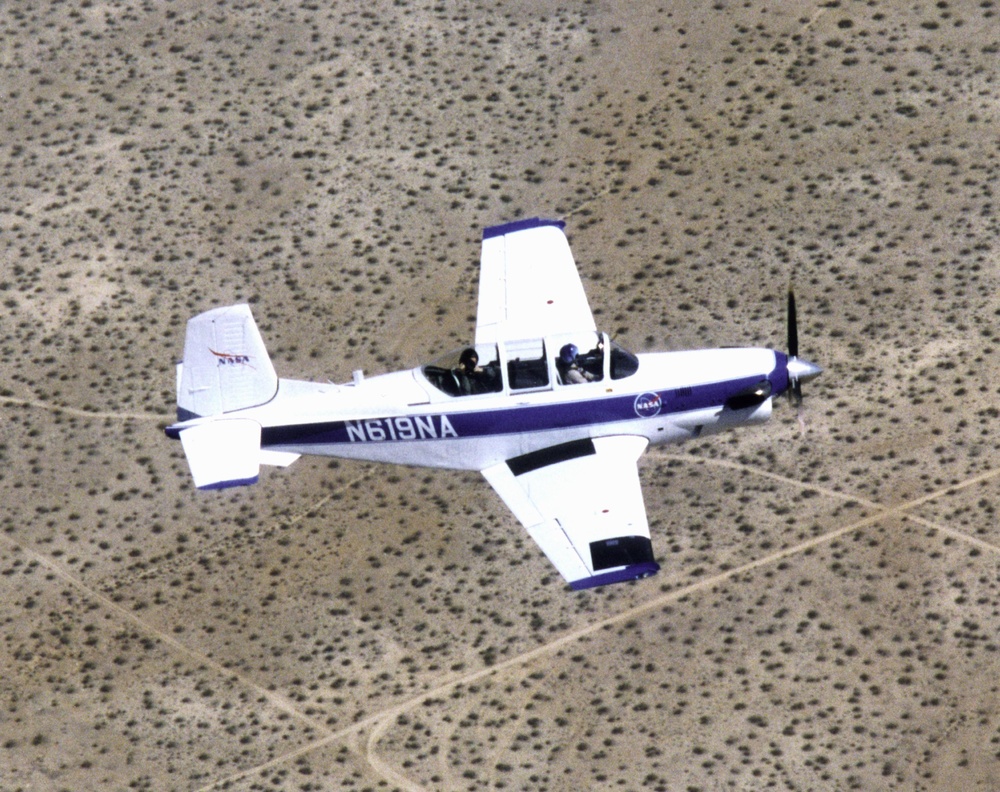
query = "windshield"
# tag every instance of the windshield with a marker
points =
(623, 363)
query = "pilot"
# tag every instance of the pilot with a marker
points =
(569, 369)
(593, 361)
(468, 361)
(468, 371)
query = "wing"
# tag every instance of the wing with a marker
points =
(529, 286)
(581, 502)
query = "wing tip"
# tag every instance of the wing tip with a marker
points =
(520, 225)
(218, 485)
(623, 575)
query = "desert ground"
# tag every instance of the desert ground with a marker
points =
(827, 615)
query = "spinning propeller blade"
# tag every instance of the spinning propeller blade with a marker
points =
(799, 371)
(793, 328)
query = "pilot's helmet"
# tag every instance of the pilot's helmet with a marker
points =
(568, 354)
(469, 359)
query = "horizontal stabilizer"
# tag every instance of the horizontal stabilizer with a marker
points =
(277, 458)
(223, 453)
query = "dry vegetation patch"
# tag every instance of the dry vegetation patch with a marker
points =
(334, 165)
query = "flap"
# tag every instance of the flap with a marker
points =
(582, 503)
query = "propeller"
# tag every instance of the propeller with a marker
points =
(799, 371)
(793, 326)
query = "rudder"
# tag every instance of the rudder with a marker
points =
(226, 366)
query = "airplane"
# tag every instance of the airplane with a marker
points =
(551, 411)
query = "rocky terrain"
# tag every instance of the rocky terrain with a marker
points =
(828, 609)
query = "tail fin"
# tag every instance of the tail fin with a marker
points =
(225, 367)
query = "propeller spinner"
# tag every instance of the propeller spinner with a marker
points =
(799, 371)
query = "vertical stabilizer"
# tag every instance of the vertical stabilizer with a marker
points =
(225, 366)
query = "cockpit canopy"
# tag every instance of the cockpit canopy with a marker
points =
(530, 365)
(450, 374)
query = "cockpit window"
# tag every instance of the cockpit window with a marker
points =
(575, 359)
(466, 372)
(527, 368)
(623, 363)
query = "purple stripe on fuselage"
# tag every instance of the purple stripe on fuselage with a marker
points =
(505, 421)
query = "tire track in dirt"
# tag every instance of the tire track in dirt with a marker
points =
(114, 415)
(526, 658)
(194, 558)
(381, 722)
(199, 659)
(277, 700)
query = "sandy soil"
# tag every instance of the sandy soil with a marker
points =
(827, 615)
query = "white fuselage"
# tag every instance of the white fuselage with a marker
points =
(402, 418)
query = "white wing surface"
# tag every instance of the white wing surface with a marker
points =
(223, 453)
(529, 286)
(581, 502)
